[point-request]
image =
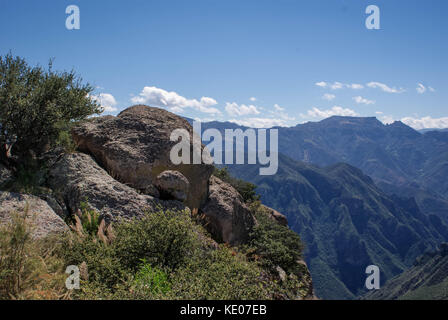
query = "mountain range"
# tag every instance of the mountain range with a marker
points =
(359, 192)
(427, 279)
(399, 159)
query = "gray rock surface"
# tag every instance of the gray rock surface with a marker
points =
(58, 208)
(135, 146)
(42, 218)
(276, 216)
(173, 184)
(76, 177)
(229, 219)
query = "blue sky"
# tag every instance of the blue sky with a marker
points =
(256, 62)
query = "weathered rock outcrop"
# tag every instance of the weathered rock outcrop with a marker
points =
(135, 146)
(229, 219)
(172, 184)
(276, 216)
(77, 177)
(43, 219)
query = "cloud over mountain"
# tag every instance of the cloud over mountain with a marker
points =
(240, 109)
(173, 101)
(335, 111)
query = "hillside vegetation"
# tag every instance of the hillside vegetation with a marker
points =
(347, 223)
(165, 255)
(427, 279)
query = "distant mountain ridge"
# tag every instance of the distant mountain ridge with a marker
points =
(347, 219)
(427, 279)
(432, 129)
(398, 158)
(346, 223)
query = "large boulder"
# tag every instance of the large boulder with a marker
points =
(172, 185)
(43, 220)
(135, 146)
(228, 218)
(77, 178)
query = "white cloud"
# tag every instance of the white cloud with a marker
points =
(107, 101)
(362, 100)
(336, 86)
(203, 120)
(328, 96)
(279, 112)
(385, 88)
(335, 111)
(355, 86)
(379, 112)
(174, 102)
(339, 85)
(240, 110)
(426, 122)
(421, 88)
(387, 119)
(259, 122)
(253, 99)
(278, 108)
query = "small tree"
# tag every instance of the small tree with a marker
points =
(36, 105)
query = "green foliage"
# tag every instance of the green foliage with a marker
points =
(162, 256)
(36, 105)
(163, 238)
(244, 188)
(276, 244)
(152, 278)
(90, 219)
(219, 274)
(64, 139)
(175, 265)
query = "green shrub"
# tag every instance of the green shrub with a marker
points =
(64, 138)
(160, 256)
(103, 266)
(218, 274)
(244, 188)
(36, 105)
(152, 279)
(90, 219)
(163, 238)
(277, 245)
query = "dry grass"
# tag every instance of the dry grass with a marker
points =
(29, 269)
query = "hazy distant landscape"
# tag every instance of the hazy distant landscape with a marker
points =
(341, 212)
